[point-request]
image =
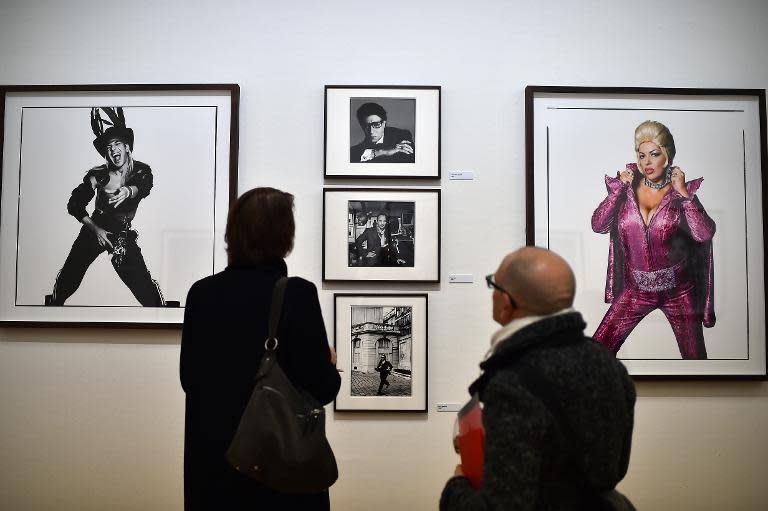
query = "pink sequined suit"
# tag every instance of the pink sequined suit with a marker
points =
(665, 265)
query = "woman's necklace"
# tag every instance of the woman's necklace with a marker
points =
(659, 186)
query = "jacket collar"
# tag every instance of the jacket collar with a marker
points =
(537, 333)
(541, 333)
(277, 266)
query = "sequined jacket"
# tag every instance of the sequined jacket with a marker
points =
(679, 233)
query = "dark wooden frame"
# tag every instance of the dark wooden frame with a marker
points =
(336, 296)
(373, 87)
(419, 190)
(234, 93)
(532, 91)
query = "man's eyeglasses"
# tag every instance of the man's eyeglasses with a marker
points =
(493, 285)
(375, 125)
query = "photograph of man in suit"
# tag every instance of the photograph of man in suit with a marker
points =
(374, 245)
(382, 143)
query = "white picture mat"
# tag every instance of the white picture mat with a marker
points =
(426, 235)
(426, 136)
(585, 145)
(343, 328)
(174, 133)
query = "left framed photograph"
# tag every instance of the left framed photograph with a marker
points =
(114, 200)
(376, 131)
(381, 343)
(381, 234)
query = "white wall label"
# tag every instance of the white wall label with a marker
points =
(460, 278)
(448, 407)
(461, 175)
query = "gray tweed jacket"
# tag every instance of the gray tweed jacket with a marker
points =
(558, 412)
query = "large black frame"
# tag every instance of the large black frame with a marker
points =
(233, 102)
(538, 184)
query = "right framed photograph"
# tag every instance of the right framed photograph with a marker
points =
(656, 198)
(381, 234)
(381, 346)
(376, 131)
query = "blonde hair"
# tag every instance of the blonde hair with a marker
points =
(654, 131)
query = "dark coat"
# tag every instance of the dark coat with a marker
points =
(225, 326)
(369, 241)
(532, 462)
(392, 137)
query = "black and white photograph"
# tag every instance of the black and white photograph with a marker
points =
(381, 341)
(381, 130)
(97, 187)
(381, 350)
(381, 233)
(665, 228)
(371, 234)
(372, 131)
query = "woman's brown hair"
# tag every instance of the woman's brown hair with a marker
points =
(260, 226)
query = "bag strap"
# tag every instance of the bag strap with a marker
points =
(278, 292)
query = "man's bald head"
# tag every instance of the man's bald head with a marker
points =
(540, 281)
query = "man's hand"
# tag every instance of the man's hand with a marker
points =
(405, 146)
(122, 193)
(101, 234)
(370, 255)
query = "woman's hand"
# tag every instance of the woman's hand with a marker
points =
(626, 176)
(678, 181)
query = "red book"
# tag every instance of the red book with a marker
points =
(470, 440)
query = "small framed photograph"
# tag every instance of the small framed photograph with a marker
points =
(656, 198)
(381, 343)
(381, 234)
(114, 200)
(374, 131)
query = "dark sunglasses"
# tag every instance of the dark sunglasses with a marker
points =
(493, 285)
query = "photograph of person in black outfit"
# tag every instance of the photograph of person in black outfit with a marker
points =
(383, 143)
(384, 367)
(119, 185)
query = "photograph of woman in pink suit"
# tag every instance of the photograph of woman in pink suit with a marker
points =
(660, 247)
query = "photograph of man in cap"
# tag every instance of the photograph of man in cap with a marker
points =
(382, 143)
(118, 185)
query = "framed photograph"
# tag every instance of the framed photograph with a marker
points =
(374, 131)
(381, 344)
(114, 200)
(655, 197)
(381, 234)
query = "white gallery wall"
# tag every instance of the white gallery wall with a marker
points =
(92, 419)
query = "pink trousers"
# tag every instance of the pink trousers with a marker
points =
(678, 305)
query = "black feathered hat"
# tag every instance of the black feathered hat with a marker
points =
(115, 128)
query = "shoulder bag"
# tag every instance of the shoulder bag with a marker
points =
(280, 441)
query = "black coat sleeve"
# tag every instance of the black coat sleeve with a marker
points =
(142, 180)
(80, 198)
(307, 360)
(190, 344)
